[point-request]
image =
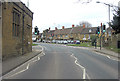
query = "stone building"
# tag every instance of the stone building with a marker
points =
(16, 29)
(112, 39)
(73, 33)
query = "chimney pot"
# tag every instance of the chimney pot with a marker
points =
(83, 25)
(63, 27)
(55, 28)
(49, 28)
(73, 26)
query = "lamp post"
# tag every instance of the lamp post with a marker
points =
(108, 9)
(109, 5)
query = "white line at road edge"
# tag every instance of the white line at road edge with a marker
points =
(27, 67)
(97, 53)
(84, 70)
(107, 56)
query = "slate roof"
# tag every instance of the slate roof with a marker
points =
(50, 32)
(75, 30)
(62, 31)
(91, 30)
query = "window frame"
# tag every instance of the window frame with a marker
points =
(16, 22)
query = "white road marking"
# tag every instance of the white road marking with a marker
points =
(13, 73)
(18, 72)
(84, 70)
(44, 47)
(97, 53)
(107, 56)
(88, 76)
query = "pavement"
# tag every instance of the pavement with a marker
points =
(14, 62)
(106, 52)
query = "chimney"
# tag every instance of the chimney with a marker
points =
(73, 26)
(63, 27)
(55, 28)
(83, 25)
(49, 28)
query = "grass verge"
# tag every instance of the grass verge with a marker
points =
(113, 49)
(81, 45)
(34, 44)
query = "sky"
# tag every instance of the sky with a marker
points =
(58, 13)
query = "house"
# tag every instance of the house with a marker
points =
(112, 39)
(16, 29)
(73, 33)
(87, 33)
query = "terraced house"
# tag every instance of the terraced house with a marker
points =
(73, 33)
(16, 29)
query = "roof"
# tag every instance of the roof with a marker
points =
(62, 31)
(50, 32)
(91, 30)
(76, 30)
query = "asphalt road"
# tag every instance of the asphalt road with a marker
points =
(63, 62)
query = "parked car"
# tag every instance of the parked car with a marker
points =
(72, 42)
(77, 42)
(34, 39)
(69, 41)
(59, 42)
(44, 41)
(62, 41)
(65, 42)
(53, 41)
(49, 41)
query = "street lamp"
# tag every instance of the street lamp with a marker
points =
(108, 9)
(109, 5)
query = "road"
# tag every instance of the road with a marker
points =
(63, 62)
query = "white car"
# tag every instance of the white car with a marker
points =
(34, 39)
(72, 42)
(77, 42)
(53, 41)
(69, 41)
(65, 42)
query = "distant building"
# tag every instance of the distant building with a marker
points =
(16, 29)
(73, 33)
(112, 39)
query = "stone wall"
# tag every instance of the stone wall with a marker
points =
(15, 45)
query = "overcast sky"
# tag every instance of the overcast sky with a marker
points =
(58, 13)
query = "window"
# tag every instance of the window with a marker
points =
(89, 36)
(56, 36)
(16, 23)
(90, 31)
(109, 33)
(84, 36)
(66, 35)
(28, 26)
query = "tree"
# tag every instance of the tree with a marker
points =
(115, 23)
(87, 24)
